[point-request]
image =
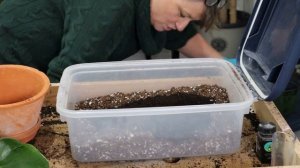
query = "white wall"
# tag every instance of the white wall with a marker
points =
(231, 37)
(245, 5)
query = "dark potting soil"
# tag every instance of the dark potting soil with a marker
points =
(197, 95)
(170, 100)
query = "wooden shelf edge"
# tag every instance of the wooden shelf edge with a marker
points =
(267, 111)
(50, 98)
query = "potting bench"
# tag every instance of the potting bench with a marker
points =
(265, 111)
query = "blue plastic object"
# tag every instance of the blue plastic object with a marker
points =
(231, 60)
(270, 48)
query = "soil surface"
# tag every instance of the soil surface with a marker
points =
(201, 94)
(53, 141)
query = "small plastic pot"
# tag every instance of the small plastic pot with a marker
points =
(22, 92)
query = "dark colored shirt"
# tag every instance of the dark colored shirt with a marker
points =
(51, 35)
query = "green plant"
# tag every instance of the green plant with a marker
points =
(15, 154)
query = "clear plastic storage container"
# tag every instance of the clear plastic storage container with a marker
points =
(153, 132)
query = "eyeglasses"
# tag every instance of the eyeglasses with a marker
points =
(217, 3)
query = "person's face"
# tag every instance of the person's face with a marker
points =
(175, 14)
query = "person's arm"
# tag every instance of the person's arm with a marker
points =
(197, 46)
(90, 39)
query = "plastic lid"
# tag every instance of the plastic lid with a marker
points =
(270, 48)
(266, 128)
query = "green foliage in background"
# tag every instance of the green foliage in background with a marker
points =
(14, 154)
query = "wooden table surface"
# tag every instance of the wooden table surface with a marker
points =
(53, 141)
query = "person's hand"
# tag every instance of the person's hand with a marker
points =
(231, 60)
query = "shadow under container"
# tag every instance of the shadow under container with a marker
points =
(153, 132)
(22, 92)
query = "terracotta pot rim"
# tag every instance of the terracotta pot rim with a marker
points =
(34, 98)
(27, 135)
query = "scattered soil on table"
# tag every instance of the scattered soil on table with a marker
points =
(202, 94)
(53, 141)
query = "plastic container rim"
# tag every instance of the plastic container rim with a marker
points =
(152, 110)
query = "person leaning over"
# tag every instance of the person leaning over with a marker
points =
(51, 35)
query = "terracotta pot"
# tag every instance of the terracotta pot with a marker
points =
(27, 135)
(22, 92)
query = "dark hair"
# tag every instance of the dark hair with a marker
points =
(210, 18)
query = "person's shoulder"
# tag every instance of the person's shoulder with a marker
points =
(117, 8)
(118, 3)
(100, 4)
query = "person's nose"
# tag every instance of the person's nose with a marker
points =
(182, 23)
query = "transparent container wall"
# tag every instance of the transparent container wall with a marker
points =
(130, 77)
(153, 132)
(155, 136)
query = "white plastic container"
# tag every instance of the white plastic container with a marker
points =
(155, 132)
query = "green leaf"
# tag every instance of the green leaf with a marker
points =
(14, 154)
